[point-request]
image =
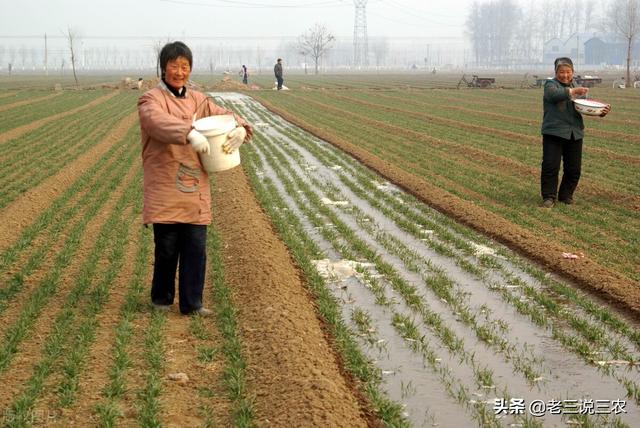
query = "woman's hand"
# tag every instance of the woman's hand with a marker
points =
(199, 142)
(577, 92)
(606, 110)
(235, 139)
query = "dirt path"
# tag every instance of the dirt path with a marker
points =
(292, 370)
(585, 272)
(26, 209)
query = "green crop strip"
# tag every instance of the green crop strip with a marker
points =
(28, 113)
(148, 398)
(107, 410)
(49, 284)
(52, 156)
(57, 136)
(51, 222)
(110, 236)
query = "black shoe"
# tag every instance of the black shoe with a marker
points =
(161, 308)
(203, 312)
(548, 203)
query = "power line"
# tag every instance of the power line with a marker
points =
(245, 4)
(415, 14)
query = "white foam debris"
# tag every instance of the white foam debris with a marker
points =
(327, 201)
(310, 167)
(339, 270)
(427, 231)
(335, 167)
(614, 363)
(261, 124)
(482, 250)
(388, 372)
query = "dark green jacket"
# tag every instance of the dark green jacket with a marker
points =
(560, 116)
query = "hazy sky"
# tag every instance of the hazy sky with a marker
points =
(228, 18)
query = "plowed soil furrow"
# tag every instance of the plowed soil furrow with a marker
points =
(29, 351)
(16, 132)
(587, 273)
(288, 355)
(181, 401)
(26, 209)
(26, 102)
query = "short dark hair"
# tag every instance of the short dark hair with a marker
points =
(279, 59)
(173, 50)
(563, 60)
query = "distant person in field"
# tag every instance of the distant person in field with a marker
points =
(177, 198)
(277, 70)
(562, 132)
(245, 74)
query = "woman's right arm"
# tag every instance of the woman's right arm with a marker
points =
(554, 92)
(160, 125)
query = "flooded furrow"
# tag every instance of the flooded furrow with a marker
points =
(487, 297)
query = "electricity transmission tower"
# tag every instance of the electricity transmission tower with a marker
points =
(360, 40)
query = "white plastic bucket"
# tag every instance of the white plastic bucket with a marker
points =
(216, 128)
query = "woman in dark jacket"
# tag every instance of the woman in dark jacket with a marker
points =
(562, 132)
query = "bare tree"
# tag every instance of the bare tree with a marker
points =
(72, 39)
(157, 47)
(589, 6)
(624, 19)
(316, 42)
(491, 26)
(474, 30)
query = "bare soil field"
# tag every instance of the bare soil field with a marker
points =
(341, 297)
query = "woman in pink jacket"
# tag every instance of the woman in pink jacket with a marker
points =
(177, 198)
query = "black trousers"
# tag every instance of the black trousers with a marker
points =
(185, 244)
(280, 82)
(555, 149)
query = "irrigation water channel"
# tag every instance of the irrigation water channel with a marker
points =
(463, 331)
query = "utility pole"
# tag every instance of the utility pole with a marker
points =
(46, 69)
(360, 39)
